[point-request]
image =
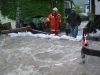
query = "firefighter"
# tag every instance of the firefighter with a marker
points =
(55, 21)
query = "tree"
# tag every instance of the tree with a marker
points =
(77, 9)
(30, 8)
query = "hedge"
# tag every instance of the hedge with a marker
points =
(30, 8)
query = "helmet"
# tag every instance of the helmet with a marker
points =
(55, 9)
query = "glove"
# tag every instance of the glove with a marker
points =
(46, 21)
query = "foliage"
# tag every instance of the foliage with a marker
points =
(29, 8)
(0, 23)
(60, 6)
(79, 2)
(91, 16)
(77, 9)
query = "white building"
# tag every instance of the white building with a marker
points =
(95, 6)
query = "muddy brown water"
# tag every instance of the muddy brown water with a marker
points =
(37, 56)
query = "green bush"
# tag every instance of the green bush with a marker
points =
(91, 16)
(77, 9)
(30, 8)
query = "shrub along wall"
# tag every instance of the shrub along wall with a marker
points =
(30, 8)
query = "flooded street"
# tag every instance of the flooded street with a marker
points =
(38, 56)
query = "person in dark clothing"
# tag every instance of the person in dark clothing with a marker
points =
(67, 28)
(74, 21)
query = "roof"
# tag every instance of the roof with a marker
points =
(86, 2)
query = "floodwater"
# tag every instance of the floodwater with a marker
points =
(37, 56)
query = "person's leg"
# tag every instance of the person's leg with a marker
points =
(52, 32)
(75, 31)
(56, 32)
(72, 31)
(66, 32)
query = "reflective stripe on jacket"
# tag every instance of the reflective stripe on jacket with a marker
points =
(55, 21)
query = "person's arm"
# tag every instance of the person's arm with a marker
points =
(47, 20)
(59, 19)
(79, 19)
(60, 23)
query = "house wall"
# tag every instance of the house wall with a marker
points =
(97, 7)
(5, 20)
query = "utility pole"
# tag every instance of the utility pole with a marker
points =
(18, 25)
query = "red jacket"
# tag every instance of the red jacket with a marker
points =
(55, 21)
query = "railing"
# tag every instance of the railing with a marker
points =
(90, 28)
(85, 50)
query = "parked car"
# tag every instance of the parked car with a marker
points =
(36, 22)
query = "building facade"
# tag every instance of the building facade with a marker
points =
(95, 6)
